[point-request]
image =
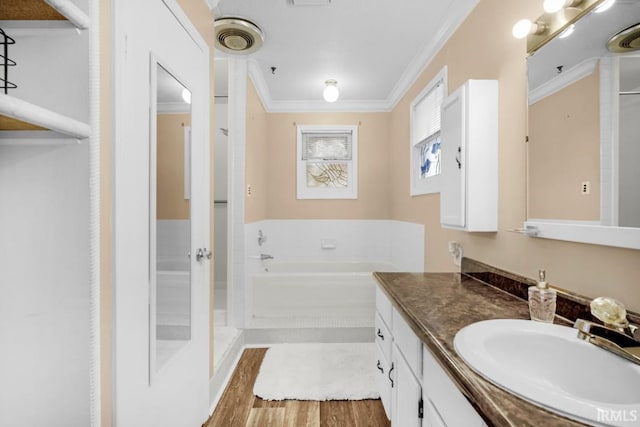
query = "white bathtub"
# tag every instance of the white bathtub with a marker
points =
(173, 298)
(331, 294)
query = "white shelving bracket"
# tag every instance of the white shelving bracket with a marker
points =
(73, 13)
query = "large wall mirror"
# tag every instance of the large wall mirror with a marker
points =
(584, 133)
(170, 218)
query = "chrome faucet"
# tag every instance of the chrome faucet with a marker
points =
(616, 335)
(264, 257)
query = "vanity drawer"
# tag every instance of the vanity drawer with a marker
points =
(383, 337)
(383, 306)
(408, 343)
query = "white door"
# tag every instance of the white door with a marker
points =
(161, 296)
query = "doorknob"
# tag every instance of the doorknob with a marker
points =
(201, 253)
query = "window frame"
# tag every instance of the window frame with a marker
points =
(420, 186)
(303, 191)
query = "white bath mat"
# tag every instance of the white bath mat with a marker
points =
(318, 372)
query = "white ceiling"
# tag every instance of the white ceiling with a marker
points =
(374, 48)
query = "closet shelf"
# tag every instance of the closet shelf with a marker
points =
(70, 11)
(28, 10)
(15, 108)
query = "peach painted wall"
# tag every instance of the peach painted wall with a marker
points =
(171, 203)
(476, 50)
(257, 153)
(564, 151)
(373, 168)
(481, 51)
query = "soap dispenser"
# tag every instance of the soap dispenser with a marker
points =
(542, 300)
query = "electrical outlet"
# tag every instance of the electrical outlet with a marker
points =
(249, 190)
(585, 188)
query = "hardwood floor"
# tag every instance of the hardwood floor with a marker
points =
(238, 407)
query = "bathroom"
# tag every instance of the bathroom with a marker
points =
(388, 224)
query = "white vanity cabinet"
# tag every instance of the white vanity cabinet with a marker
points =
(469, 133)
(415, 390)
(399, 365)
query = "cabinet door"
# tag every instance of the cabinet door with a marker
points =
(452, 196)
(448, 401)
(407, 394)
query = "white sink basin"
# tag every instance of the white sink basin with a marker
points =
(548, 365)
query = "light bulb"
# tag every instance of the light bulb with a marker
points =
(331, 91)
(522, 28)
(604, 6)
(552, 6)
(186, 96)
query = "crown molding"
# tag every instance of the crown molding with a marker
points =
(562, 80)
(456, 14)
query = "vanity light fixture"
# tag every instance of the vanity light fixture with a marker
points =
(331, 92)
(553, 6)
(524, 27)
(557, 21)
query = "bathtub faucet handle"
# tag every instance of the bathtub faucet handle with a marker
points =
(264, 257)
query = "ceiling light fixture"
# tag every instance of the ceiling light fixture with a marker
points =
(331, 91)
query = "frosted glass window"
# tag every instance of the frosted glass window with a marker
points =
(425, 112)
(327, 162)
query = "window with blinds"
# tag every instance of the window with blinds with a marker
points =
(425, 156)
(327, 162)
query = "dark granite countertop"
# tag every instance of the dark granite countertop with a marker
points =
(437, 306)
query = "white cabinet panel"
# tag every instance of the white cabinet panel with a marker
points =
(451, 404)
(431, 416)
(408, 343)
(469, 132)
(407, 393)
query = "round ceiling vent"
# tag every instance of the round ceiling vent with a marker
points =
(237, 35)
(626, 40)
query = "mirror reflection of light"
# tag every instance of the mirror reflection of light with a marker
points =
(567, 32)
(604, 6)
(186, 96)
